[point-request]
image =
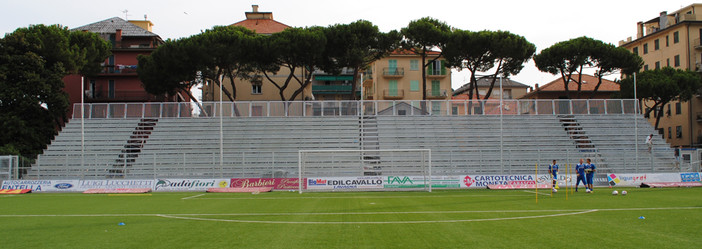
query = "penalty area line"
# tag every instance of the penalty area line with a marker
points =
(190, 197)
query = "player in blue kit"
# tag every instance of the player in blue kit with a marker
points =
(580, 171)
(589, 173)
(553, 170)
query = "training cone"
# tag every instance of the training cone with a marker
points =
(121, 224)
(642, 218)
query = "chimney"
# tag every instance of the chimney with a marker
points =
(536, 86)
(118, 38)
(639, 30)
(255, 8)
(663, 20)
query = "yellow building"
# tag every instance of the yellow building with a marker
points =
(399, 77)
(673, 40)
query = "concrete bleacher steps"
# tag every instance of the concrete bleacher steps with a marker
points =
(268, 146)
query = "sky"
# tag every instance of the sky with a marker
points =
(543, 22)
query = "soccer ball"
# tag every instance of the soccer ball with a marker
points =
(623, 192)
(587, 191)
(615, 192)
(554, 190)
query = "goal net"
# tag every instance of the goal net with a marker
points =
(365, 170)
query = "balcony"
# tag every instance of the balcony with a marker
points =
(119, 70)
(395, 94)
(436, 74)
(122, 96)
(697, 44)
(331, 89)
(392, 72)
(440, 94)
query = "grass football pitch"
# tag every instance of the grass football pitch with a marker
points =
(672, 218)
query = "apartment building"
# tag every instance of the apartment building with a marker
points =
(673, 40)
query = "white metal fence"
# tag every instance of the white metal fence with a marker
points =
(9, 166)
(355, 108)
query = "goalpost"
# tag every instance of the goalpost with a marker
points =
(365, 170)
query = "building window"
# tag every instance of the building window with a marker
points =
(645, 67)
(90, 93)
(656, 45)
(435, 88)
(676, 37)
(392, 88)
(414, 85)
(670, 132)
(678, 108)
(668, 112)
(666, 41)
(678, 131)
(436, 107)
(676, 60)
(392, 64)
(667, 62)
(658, 65)
(255, 88)
(111, 89)
(645, 48)
(414, 65)
(454, 110)
(437, 68)
(636, 50)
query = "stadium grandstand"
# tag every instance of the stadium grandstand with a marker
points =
(262, 139)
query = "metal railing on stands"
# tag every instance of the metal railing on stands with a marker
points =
(353, 108)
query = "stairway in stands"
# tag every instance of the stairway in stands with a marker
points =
(132, 148)
(582, 141)
(368, 131)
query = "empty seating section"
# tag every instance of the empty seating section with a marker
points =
(104, 141)
(471, 144)
(268, 146)
(253, 147)
(614, 138)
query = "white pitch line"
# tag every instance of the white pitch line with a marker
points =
(378, 222)
(534, 192)
(189, 197)
(356, 213)
(352, 197)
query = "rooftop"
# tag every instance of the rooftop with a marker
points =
(485, 82)
(261, 22)
(111, 25)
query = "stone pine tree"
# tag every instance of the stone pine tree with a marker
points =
(500, 51)
(420, 37)
(660, 87)
(571, 57)
(356, 46)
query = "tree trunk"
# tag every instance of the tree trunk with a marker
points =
(599, 82)
(660, 114)
(492, 84)
(224, 90)
(354, 84)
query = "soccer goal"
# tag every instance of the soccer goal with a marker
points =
(365, 170)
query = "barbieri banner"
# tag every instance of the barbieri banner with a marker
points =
(275, 183)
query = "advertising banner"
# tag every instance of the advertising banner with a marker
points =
(42, 185)
(419, 182)
(185, 185)
(275, 183)
(361, 182)
(634, 180)
(690, 177)
(114, 184)
(482, 181)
